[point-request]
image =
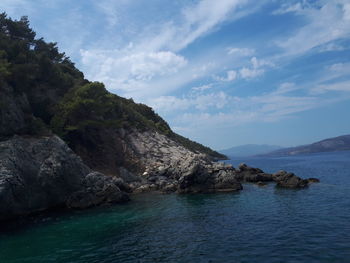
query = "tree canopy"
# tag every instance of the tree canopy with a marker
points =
(59, 96)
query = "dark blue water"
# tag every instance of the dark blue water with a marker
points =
(260, 224)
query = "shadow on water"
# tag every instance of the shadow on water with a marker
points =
(259, 224)
(198, 200)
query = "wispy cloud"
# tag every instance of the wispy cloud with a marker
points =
(240, 51)
(197, 101)
(194, 62)
(289, 8)
(335, 24)
(139, 69)
(230, 76)
(339, 86)
(257, 69)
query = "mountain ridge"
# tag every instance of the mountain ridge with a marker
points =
(247, 150)
(333, 144)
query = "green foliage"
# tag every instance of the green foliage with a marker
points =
(4, 65)
(92, 106)
(26, 62)
(59, 95)
(197, 147)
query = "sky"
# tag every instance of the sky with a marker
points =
(221, 72)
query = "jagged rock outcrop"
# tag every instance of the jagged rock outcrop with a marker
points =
(169, 167)
(128, 147)
(246, 173)
(41, 173)
(289, 180)
(161, 164)
(282, 178)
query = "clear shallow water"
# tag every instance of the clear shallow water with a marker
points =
(257, 225)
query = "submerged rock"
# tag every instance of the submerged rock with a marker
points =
(41, 173)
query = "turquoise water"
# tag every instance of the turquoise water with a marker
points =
(260, 224)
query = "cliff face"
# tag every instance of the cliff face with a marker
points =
(50, 115)
(41, 173)
(43, 94)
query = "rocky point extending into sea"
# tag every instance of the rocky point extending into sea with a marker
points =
(68, 143)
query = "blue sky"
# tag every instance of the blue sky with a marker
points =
(223, 72)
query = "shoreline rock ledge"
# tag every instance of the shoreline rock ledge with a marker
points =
(41, 173)
(282, 178)
(167, 166)
(37, 174)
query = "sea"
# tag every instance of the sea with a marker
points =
(258, 224)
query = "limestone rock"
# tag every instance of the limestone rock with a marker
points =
(41, 173)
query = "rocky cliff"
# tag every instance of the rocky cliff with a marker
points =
(41, 173)
(66, 142)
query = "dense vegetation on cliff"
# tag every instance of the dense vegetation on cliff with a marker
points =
(60, 98)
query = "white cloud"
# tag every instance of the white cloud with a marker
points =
(286, 87)
(202, 88)
(128, 71)
(201, 102)
(219, 110)
(343, 86)
(325, 24)
(248, 73)
(331, 47)
(231, 75)
(288, 8)
(267, 108)
(170, 103)
(245, 52)
(257, 69)
(152, 65)
(195, 21)
(244, 110)
(110, 10)
(340, 68)
(346, 9)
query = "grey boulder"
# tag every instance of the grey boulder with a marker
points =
(42, 173)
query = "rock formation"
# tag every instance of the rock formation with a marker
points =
(105, 145)
(282, 178)
(41, 173)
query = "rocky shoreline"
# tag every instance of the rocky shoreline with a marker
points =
(66, 142)
(41, 173)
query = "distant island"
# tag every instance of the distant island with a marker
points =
(335, 144)
(249, 150)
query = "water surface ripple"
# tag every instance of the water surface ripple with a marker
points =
(260, 224)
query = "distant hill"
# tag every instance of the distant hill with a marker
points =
(340, 143)
(249, 150)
